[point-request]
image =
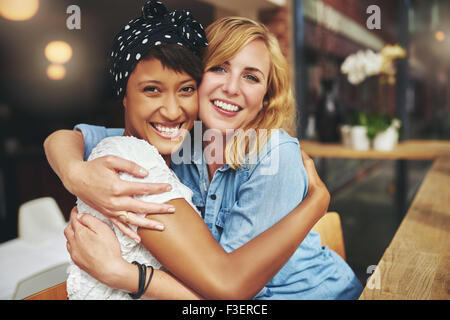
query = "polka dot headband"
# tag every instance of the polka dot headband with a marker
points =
(156, 26)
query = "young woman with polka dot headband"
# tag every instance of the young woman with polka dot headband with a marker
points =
(241, 249)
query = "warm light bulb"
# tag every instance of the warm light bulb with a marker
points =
(18, 10)
(58, 52)
(56, 72)
(440, 36)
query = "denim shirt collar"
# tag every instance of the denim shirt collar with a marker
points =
(202, 167)
(198, 158)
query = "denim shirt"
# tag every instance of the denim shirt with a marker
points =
(240, 204)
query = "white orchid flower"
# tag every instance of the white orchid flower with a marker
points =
(363, 64)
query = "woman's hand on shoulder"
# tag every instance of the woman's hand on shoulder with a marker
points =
(97, 183)
(316, 187)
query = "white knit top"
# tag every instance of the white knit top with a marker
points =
(80, 285)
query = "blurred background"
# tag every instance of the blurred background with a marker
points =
(53, 76)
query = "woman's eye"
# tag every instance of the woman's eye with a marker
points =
(217, 69)
(251, 77)
(188, 89)
(151, 89)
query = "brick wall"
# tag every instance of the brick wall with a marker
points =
(356, 10)
(328, 48)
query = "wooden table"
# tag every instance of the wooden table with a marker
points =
(416, 264)
(405, 150)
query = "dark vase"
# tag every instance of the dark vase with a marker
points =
(328, 113)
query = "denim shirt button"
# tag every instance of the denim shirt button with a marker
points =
(213, 196)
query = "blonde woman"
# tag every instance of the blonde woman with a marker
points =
(255, 197)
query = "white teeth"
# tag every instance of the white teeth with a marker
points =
(225, 106)
(168, 130)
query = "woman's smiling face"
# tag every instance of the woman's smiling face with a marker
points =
(232, 94)
(160, 105)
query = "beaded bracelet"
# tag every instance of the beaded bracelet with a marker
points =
(142, 287)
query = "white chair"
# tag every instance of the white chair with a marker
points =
(40, 218)
(48, 278)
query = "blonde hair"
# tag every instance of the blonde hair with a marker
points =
(228, 36)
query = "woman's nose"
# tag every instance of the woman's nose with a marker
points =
(231, 85)
(171, 109)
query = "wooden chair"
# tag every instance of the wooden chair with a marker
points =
(41, 280)
(57, 292)
(330, 230)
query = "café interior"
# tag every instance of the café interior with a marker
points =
(371, 82)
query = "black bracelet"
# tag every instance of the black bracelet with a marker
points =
(141, 280)
(142, 287)
(149, 278)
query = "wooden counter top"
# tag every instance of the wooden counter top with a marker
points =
(405, 150)
(417, 262)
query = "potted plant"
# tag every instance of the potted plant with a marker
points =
(371, 128)
(379, 130)
(358, 134)
(387, 139)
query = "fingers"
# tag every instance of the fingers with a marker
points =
(305, 156)
(69, 234)
(133, 188)
(140, 221)
(74, 211)
(314, 181)
(82, 224)
(307, 161)
(141, 188)
(92, 223)
(127, 166)
(122, 222)
(74, 224)
(126, 230)
(131, 204)
(309, 166)
(154, 225)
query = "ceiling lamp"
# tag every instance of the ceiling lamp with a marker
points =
(58, 52)
(56, 72)
(440, 36)
(18, 10)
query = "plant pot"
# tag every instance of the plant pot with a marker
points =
(358, 138)
(346, 135)
(386, 140)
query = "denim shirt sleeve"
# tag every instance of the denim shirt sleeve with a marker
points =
(92, 135)
(264, 198)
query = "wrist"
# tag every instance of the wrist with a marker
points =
(321, 199)
(70, 178)
(123, 276)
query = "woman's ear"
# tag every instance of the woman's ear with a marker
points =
(124, 101)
